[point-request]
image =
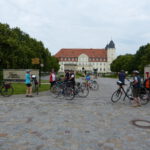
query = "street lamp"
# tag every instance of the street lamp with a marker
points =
(41, 66)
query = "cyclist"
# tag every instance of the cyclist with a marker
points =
(87, 78)
(67, 75)
(136, 88)
(52, 78)
(72, 78)
(122, 76)
(28, 84)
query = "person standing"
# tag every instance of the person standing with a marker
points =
(52, 78)
(72, 78)
(67, 75)
(28, 84)
(122, 76)
(136, 88)
(87, 79)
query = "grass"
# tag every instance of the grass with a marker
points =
(20, 88)
(44, 81)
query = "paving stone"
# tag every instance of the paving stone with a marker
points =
(92, 123)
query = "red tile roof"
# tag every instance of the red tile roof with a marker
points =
(91, 53)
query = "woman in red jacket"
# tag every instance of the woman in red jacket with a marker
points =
(52, 78)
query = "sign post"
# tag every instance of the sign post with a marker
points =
(35, 61)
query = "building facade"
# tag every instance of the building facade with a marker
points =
(87, 59)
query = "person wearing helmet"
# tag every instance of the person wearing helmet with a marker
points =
(136, 88)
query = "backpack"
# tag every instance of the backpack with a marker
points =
(147, 83)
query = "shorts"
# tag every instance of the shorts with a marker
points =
(28, 85)
(136, 92)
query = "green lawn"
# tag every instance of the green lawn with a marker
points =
(44, 81)
(20, 88)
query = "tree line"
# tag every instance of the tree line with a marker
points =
(17, 49)
(129, 62)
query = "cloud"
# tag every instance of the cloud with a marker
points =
(81, 23)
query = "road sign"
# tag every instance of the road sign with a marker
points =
(35, 61)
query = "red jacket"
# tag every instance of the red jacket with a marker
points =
(51, 77)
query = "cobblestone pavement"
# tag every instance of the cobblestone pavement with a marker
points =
(93, 123)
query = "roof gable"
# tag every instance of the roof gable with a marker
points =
(92, 53)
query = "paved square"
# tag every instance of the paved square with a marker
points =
(93, 123)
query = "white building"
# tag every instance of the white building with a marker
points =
(87, 59)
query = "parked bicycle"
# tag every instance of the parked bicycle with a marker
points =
(80, 90)
(6, 89)
(35, 85)
(116, 96)
(64, 89)
(91, 85)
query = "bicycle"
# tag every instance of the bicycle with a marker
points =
(35, 85)
(6, 89)
(81, 90)
(64, 89)
(116, 96)
(145, 95)
(91, 85)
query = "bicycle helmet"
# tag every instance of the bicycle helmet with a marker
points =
(33, 76)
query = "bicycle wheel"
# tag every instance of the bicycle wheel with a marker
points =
(7, 91)
(116, 96)
(69, 93)
(144, 97)
(93, 85)
(83, 92)
(55, 91)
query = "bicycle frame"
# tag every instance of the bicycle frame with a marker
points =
(125, 91)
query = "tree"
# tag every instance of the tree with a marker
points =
(122, 62)
(142, 58)
(17, 50)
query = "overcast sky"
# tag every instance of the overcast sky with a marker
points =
(81, 23)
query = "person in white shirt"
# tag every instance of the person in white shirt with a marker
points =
(52, 78)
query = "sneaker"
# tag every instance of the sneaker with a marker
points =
(27, 95)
